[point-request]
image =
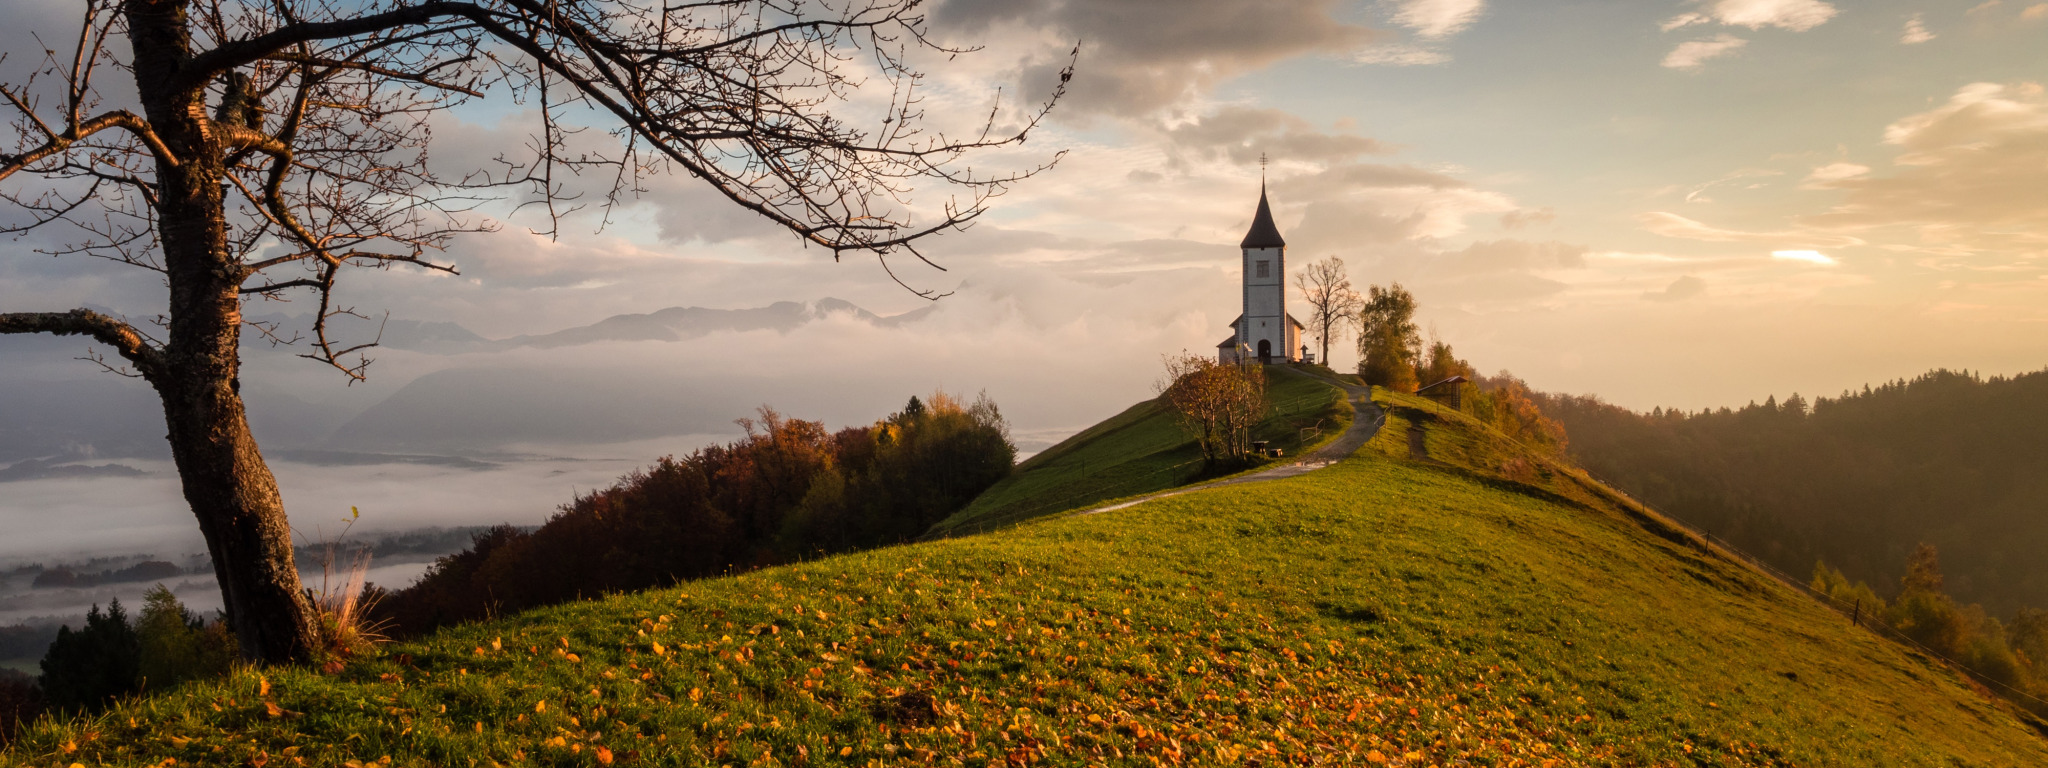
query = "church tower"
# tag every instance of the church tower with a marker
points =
(1265, 331)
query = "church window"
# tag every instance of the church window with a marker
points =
(1265, 268)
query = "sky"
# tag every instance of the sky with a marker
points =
(1679, 203)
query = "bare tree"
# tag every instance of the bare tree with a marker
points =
(271, 144)
(1333, 305)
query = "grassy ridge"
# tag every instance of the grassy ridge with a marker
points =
(1143, 450)
(1380, 610)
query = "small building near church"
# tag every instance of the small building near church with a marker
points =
(1449, 392)
(1264, 332)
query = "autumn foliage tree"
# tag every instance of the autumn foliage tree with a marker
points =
(1216, 403)
(271, 147)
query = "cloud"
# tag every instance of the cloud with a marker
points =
(1794, 15)
(1352, 204)
(1485, 275)
(1684, 20)
(1527, 218)
(1805, 256)
(2035, 12)
(1244, 134)
(1673, 225)
(1691, 54)
(1437, 19)
(1138, 56)
(1683, 288)
(1431, 21)
(1826, 176)
(1337, 224)
(1698, 194)
(1515, 256)
(1916, 31)
(1400, 55)
(1969, 174)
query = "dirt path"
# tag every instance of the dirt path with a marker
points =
(1364, 424)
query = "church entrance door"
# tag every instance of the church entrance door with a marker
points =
(1266, 351)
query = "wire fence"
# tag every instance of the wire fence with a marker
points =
(1854, 612)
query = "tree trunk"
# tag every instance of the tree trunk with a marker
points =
(229, 488)
(235, 498)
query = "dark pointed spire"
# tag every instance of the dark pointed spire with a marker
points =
(1263, 234)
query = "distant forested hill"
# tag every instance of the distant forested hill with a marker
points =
(1952, 459)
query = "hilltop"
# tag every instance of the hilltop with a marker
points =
(1442, 597)
(1144, 449)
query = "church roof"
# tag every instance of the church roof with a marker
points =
(1263, 233)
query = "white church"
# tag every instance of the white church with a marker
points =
(1264, 332)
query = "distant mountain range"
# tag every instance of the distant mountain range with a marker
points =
(671, 324)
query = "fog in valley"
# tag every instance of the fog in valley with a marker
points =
(454, 431)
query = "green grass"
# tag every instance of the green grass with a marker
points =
(1380, 610)
(1143, 450)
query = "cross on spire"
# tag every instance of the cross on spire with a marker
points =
(1262, 169)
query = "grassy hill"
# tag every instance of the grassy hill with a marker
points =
(1384, 610)
(1143, 450)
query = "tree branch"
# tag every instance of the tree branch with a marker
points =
(58, 142)
(238, 53)
(84, 322)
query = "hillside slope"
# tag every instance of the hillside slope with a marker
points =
(1382, 610)
(1143, 449)
(1858, 481)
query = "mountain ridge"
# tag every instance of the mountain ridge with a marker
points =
(678, 323)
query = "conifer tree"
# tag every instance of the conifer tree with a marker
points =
(88, 668)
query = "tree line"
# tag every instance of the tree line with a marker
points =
(1859, 480)
(112, 655)
(788, 490)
